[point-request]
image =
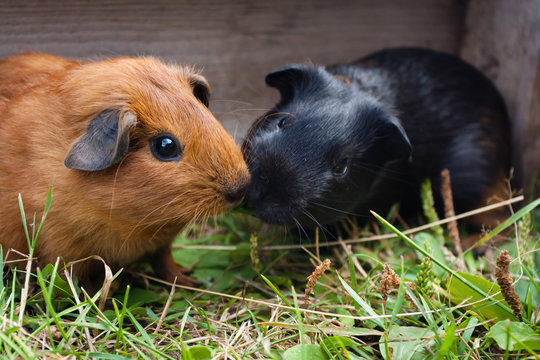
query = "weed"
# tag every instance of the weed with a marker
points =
(241, 312)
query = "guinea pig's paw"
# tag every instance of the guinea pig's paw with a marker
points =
(183, 279)
(178, 274)
(166, 269)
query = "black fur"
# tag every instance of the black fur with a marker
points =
(392, 118)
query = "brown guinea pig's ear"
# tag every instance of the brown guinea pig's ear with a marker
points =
(104, 143)
(201, 89)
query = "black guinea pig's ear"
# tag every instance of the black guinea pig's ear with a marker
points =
(286, 80)
(201, 89)
(105, 142)
(395, 143)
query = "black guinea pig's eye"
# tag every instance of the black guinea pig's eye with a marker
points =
(284, 123)
(341, 167)
(166, 147)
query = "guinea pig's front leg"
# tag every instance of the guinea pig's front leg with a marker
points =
(165, 268)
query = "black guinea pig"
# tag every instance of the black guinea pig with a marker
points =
(350, 138)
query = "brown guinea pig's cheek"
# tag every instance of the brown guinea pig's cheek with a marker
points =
(203, 191)
(179, 188)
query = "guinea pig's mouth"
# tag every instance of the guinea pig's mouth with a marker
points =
(285, 215)
(274, 213)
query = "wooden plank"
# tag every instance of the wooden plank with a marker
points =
(235, 42)
(503, 39)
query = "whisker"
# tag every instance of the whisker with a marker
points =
(141, 221)
(237, 111)
(161, 207)
(400, 176)
(300, 227)
(337, 210)
(323, 228)
(233, 102)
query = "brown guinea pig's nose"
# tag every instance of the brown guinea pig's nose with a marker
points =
(236, 192)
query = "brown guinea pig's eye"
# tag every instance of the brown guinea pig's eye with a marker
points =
(166, 147)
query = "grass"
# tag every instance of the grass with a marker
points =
(427, 303)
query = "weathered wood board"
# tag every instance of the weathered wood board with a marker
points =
(502, 38)
(236, 43)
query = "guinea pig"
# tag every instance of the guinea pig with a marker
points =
(132, 148)
(350, 138)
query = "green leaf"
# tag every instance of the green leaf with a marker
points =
(222, 279)
(407, 343)
(459, 292)
(214, 259)
(61, 287)
(138, 311)
(198, 352)
(304, 352)
(525, 288)
(348, 322)
(470, 323)
(138, 297)
(200, 257)
(449, 339)
(513, 335)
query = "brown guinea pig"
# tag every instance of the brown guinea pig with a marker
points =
(133, 151)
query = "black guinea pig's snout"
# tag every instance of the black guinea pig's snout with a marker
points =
(272, 195)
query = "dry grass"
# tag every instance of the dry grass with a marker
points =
(240, 313)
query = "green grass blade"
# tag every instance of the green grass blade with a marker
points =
(400, 295)
(278, 293)
(449, 339)
(531, 277)
(184, 319)
(352, 272)
(141, 331)
(299, 316)
(362, 303)
(50, 308)
(502, 226)
(23, 218)
(1, 272)
(421, 305)
(45, 212)
(17, 345)
(436, 261)
(12, 297)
